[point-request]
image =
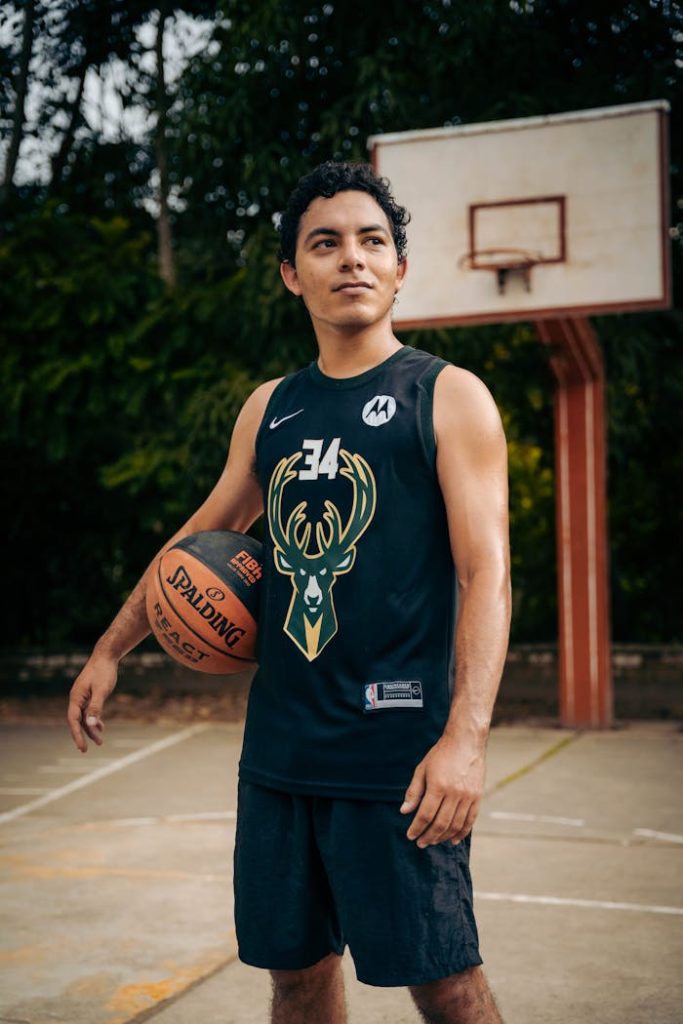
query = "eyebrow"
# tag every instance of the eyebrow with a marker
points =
(371, 228)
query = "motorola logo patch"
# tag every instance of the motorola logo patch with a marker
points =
(379, 410)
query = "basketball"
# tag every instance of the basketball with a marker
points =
(203, 598)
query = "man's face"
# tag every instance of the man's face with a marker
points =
(346, 270)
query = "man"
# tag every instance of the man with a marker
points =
(382, 474)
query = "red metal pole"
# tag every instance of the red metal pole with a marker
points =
(586, 697)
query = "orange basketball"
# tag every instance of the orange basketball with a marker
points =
(202, 602)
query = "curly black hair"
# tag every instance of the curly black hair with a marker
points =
(326, 180)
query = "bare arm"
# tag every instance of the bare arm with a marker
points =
(447, 785)
(234, 503)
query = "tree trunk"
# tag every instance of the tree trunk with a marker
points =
(22, 88)
(59, 161)
(166, 260)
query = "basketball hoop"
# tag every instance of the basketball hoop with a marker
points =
(502, 262)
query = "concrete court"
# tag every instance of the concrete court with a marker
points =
(116, 879)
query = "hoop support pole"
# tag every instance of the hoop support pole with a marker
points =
(586, 695)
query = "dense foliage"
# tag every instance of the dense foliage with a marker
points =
(119, 392)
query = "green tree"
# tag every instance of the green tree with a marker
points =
(119, 396)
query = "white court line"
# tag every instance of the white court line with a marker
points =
(166, 818)
(22, 790)
(546, 818)
(101, 773)
(204, 816)
(79, 760)
(72, 764)
(561, 901)
(665, 837)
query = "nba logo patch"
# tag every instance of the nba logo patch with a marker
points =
(370, 702)
(395, 693)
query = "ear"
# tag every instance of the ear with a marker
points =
(401, 271)
(345, 564)
(281, 562)
(290, 277)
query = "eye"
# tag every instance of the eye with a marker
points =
(302, 572)
(376, 240)
(323, 572)
(324, 243)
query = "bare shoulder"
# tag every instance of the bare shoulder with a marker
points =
(265, 390)
(464, 407)
(236, 499)
(243, 440)
(260, 396)
(253, 409)
(459, 390)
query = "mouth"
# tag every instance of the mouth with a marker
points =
(352, 286)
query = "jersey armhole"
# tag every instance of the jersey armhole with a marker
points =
(425, 409)
(266, 412)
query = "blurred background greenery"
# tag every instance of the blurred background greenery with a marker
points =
(139, 286)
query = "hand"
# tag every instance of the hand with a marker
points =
(87, 697)
(446, 788)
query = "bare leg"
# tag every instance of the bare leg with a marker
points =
(461, 999)
(314, 995)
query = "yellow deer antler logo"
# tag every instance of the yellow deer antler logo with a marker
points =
(311, 619)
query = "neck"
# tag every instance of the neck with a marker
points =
(348, 352)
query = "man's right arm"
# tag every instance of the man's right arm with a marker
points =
(234, 503)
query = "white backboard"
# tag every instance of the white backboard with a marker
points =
(574, 205)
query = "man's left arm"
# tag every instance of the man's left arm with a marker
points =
(447, 785)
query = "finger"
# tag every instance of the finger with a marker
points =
(93, 724)
(94, 730)
(73, 717)
(426, 812)
(440, 828)
(464, 830)
(415, 791)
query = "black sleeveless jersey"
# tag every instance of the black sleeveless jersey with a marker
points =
(355, 642)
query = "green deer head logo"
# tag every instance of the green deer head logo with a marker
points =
(311, 619)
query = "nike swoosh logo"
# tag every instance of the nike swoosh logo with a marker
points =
(275, 422)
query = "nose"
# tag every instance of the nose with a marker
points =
(351, 255)
(313, 595)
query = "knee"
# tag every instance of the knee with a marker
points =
(455, 997)
(308, 978)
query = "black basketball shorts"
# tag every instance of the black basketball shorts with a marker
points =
(314, 874)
